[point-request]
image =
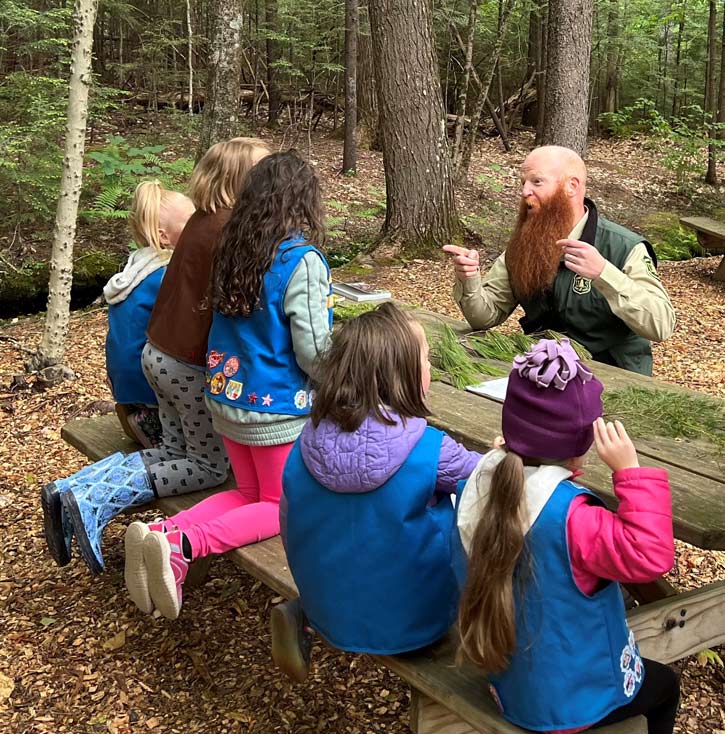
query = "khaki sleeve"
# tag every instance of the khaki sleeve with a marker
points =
(637, 296)
(486, 302)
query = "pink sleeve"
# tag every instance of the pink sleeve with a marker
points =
(633, 545)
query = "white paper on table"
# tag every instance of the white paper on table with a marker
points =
(494, 389)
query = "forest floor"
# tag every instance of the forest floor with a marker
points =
(77, 657)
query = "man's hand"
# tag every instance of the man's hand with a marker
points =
(584, 259)
(614, 446)
(465, 261)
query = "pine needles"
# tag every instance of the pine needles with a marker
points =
(647, 412)
(504, 347)
(448, 356)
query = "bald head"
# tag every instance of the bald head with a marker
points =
(550, 168)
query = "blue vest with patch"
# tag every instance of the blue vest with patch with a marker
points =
(374, 569)
(125, 340)
(575, 658)
(251, 362)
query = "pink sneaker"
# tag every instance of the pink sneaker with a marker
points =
(135, 574)
(166, 568)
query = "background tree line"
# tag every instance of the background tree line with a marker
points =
(419, 81)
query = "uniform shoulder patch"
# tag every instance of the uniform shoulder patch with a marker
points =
(651, 269)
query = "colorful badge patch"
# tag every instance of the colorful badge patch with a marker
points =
(252, 398)
(630, 663)
(581, 285)
(267, 400)
(214, 359)
(231, 367)
(300, 399)
(217, 383)
(234, 389)
(207, 378)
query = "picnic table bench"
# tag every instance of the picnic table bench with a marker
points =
(711, 236)
(446, 699)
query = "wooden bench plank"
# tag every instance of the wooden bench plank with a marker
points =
(712, 228)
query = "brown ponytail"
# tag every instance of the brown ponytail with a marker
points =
(486, 618)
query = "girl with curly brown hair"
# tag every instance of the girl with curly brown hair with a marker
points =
(270, 294)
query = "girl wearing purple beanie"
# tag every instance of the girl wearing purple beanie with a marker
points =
(541, 612)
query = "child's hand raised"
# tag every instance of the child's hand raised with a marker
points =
(614, 446)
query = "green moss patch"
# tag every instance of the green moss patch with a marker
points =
(670, 240)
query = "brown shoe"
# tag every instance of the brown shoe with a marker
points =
(291, 640)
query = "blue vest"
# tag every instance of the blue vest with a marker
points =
(577, 648)
(374, 569)
(125, 340)
(251, 361)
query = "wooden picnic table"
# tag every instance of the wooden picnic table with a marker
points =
(449, 700)
(711, 236)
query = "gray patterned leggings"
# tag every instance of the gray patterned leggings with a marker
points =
(192, 455)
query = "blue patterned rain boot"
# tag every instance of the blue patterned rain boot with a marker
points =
(92, 504)
(57, 525)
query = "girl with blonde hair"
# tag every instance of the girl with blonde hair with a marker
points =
(191, 456)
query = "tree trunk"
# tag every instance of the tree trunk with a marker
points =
(569, 37)
(190, 53)
(367, 95)
(421, 210)
(721, 103)
(221, 103)
(462, 170)
(612, 82)
(678, 54)
(463, 93)
(711, 96)
(349, 153)
(530, 112)
(51, 349)
(541, 80)
(273, 54)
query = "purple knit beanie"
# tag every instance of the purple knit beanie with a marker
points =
(552, 400)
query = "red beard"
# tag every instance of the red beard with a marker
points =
(532, 255)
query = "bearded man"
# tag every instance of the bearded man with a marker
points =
(570, 269)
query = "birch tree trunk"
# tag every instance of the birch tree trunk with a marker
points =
(421, 210)
(51, 349)
(569, 46)
(223, 90)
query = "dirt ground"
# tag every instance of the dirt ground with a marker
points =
(77, 657)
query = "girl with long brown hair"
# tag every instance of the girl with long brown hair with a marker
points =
(541, 612)
(366, 511)
(270, 296)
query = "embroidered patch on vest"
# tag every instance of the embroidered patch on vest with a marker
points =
(581, 285)
(214, 359)
(300, 399)
(630, 663)
(267, 400)
(651, 269)
(231, 367)
(234, 389)
(217, 383)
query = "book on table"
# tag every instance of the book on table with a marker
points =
(360, 292)
(494, 389)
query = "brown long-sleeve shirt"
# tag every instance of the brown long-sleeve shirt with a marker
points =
(179, 326)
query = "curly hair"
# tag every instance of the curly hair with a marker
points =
(281, 197)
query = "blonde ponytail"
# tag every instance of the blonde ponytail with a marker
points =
(145, 214)
(487, 615)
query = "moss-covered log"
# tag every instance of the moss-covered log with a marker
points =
(24, 289)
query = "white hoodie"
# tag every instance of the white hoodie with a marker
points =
(140, 265)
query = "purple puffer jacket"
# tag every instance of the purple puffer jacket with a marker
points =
(363, 460)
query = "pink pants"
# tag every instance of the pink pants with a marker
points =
(240, 516)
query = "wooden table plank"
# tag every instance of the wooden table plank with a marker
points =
(695, 456)
(698, 502)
